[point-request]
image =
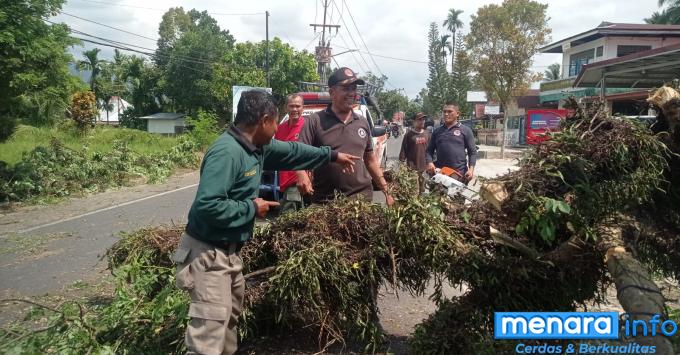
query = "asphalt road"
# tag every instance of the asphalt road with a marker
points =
(40, 255)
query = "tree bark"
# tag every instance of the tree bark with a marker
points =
(639, 296)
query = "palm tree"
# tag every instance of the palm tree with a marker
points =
(452, 23)
(668, 16)
(553, 72)
(444, 46)
(91, 63)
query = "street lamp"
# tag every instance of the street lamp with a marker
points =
(347, 51)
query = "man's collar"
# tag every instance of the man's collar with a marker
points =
(238, 135)
(455, 125)
(332, 113)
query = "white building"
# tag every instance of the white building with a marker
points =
(165, 123)
(118, 106)
(605, 42)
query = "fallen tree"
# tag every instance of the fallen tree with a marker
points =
(549, 241)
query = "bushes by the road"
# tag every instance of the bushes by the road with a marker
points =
(56, 170)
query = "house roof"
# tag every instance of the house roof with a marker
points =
(163, 116)
(645, 69)
(614, 29)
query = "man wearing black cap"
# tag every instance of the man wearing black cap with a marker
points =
(339, 127)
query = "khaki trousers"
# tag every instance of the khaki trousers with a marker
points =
(214, 280)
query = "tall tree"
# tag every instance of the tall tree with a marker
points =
(377, 81)
(173, 24)
(670, 15)
(288, 67)
(552, 73)
(392, 101)
(35, 83)
(191, 64)
(142, 88)
(444, 47)
(93, 64)
(453, 23)
(438, 76)
(502, 40)
(461, 76)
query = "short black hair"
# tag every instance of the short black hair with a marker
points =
(252, 106)
(451, 103)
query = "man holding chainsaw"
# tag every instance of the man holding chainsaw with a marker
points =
(453, 144)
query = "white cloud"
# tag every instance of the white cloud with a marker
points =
(396, 28)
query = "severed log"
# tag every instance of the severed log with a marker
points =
(639, 296)
(494, 193)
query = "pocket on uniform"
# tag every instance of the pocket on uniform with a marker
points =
(183, 278)
(209, 311)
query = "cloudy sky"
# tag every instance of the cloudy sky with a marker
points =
(398, 30)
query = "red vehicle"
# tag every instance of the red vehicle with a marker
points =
(540, 122)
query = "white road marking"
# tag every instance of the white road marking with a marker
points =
(104, 209)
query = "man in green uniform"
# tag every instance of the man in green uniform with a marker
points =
(223, 213)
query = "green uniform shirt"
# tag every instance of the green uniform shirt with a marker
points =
(223, 210)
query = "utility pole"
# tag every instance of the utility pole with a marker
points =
(266, 47)
(323, 50)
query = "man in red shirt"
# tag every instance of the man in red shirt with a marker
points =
(289, 131)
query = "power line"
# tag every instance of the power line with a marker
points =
(316, 35)
(111, 27)
(388, 57)
(364, 69)
(364, 42)
(137, 51)
(152, 52)
(352, 38)
(159, 9)
(282, 33)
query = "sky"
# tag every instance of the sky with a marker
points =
(398, 30)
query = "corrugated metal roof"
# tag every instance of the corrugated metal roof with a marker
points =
(163, 116)
(646, 69)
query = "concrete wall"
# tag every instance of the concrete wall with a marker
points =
(613, 42)
(163, 126)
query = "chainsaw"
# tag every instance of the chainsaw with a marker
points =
(449, 178)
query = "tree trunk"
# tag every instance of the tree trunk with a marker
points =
(637, 293)
(505, 129)
(453, 52)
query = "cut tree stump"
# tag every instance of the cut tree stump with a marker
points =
(494, 193)
(639, 296)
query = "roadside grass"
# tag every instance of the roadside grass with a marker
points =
(98, 140)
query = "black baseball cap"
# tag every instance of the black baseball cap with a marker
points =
(344, 76)
(420, 116)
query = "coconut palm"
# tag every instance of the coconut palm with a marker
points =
(93, 64)
(444, 46)
(667, 16)
(553, 72)
(453, 23)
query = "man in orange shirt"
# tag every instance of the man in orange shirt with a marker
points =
(288, 132)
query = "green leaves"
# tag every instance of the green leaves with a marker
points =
(543, 218)
(502, 40)
(57, 171)
(35, 83)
